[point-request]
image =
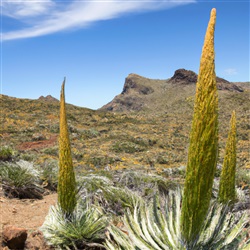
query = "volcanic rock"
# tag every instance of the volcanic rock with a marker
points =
(183, 76)
(14, 237)
(36, 241)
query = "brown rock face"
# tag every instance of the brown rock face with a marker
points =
(184, 76)
(131, 84)
(14, 237)
(223, 84)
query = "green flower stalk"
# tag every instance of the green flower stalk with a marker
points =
(227, 191)
(202, 155)
(66, 179)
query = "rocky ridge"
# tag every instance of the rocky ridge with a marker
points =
(140, 93)
(183, 76)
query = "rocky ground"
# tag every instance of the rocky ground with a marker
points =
(27, 214)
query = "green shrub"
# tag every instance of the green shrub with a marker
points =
(99, 161)
(49, 175)
(51, 151)
(179, 172)
(76, 154)
(243, 177)
(83, 229)
(54, 128)
(18, 181)
(89, 133)
(6, 153)
(102, 190)
(162, 159)
(127, 147)
(28, 157)
(119, 189)
(156, 225)
(145, 184)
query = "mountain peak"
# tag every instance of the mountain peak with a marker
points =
(184, 76)
(136, 83)
(47, 98)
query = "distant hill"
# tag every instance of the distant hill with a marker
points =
(140, 93)
(146, 126)
(48, 98)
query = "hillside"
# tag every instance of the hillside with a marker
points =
(146, 126)
(143, 94)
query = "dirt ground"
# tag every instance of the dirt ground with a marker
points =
(25, 146)
(26, 213)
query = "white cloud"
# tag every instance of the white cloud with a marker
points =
(230, 72)
(47, 16)
(20, 9)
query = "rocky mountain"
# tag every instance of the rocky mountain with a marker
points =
(183, 76)
(140, 93)
(48, 98)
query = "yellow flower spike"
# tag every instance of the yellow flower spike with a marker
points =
(227, 180)
(66, 177)
(202, 155)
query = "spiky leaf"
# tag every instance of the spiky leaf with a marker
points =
(82, 228)
(156, 226)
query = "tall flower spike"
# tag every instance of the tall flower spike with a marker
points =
(227, 180)
(66, 179)
(202, 155)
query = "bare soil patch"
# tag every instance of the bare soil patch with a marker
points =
(25, 213)
(38, 144)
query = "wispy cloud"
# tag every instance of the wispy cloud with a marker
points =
(42, 17)
(20, 9)
(230, 72)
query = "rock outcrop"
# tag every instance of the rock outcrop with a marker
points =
(17, 238)
(14, 237)
(48, 98)
(183, 76)
(36, 241)
(132, 84)
(132, 96)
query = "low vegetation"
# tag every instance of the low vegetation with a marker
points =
(134, 140)
(6, 153)
(157, 225)
(83, 230)
(19, 180)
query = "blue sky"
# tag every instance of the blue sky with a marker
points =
(96, 44)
